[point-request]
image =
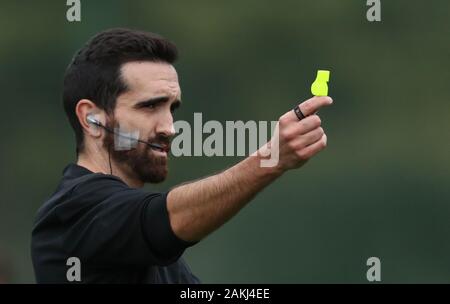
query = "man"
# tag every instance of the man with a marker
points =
(120, 92)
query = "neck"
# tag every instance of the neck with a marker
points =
(101, 166)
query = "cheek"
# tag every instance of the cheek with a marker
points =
(135, 121)
(145, 123)
(122, 119)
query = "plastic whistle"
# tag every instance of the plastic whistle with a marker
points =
(320, 86)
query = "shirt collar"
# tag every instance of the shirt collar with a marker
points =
(74, 171)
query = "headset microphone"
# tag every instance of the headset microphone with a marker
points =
(94, 121)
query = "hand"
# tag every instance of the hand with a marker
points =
(300, 140)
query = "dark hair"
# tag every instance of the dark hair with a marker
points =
(94, 72)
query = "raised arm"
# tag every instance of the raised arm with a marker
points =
(198, 208)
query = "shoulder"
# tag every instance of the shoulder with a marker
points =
(79, 195)
(98, 184)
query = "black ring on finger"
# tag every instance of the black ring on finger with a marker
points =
(299, 113)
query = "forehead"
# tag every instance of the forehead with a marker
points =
(146, 79)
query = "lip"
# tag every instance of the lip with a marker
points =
(160, 147)
(164, 150)
(159, 152)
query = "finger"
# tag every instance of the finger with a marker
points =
(304, 126)
(314, 148)
(313, 104)
(307, 139)
(307, 107)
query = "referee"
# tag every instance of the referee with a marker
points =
(119, 95)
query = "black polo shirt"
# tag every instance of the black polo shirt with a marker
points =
(119, 234)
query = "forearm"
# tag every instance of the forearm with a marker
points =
(198, 208)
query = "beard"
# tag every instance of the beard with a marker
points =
(140, 161)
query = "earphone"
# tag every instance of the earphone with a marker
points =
(90, 118)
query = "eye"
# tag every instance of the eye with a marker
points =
(151, 106)
(174, 107)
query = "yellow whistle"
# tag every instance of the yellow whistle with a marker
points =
(320, 86)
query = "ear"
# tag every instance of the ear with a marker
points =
(83, 109)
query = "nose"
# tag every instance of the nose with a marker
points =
(165, 125)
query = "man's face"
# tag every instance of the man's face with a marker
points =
(147, 107)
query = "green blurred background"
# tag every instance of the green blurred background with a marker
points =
(381, 188)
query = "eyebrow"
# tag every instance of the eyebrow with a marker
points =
(156, 100)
